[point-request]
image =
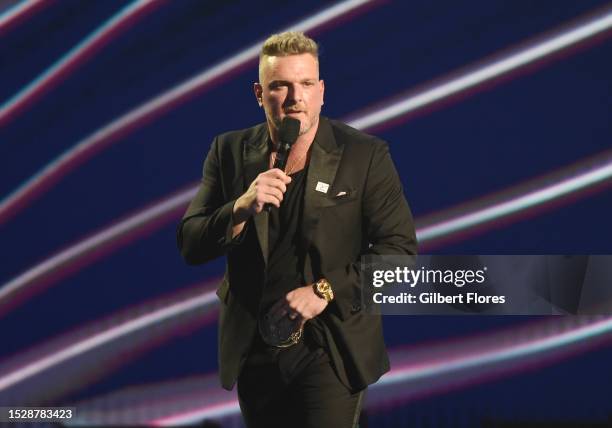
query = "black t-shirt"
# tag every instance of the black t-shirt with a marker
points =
(283, 275)
(284, 260)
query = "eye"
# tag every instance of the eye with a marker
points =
(276, 85)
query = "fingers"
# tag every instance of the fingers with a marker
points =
(268, 188)
(282, 309)
(275, 178)
(278, 174)
(267, 198)
(272, 194)
(300, 304)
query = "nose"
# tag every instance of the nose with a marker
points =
(295, 94)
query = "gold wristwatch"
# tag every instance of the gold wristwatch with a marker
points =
(322, 288)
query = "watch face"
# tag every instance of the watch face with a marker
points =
(323, 287)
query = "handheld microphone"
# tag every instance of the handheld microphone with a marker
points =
(287, 134)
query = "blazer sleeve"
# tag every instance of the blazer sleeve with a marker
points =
(205, 231)
(388, 223)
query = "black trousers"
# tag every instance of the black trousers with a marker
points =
(313, 397)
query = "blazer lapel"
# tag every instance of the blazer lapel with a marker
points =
(324, 161)
(256, 161)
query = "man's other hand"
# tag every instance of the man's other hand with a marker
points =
(301, 302)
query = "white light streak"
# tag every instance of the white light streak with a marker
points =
(521, 203)
(521, 58)
(104, 337)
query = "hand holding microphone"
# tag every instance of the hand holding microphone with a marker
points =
(268, 188)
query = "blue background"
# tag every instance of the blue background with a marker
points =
(536, 121)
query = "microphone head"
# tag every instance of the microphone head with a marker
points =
(289, 130)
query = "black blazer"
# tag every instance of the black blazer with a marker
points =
(362, 212)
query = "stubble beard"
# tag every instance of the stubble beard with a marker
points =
(312, 121)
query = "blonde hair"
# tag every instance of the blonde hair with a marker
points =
(288, 43)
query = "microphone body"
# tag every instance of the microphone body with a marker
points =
(282, 155)
(287, 135)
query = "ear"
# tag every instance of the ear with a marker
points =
(322, 91)
(258, 90)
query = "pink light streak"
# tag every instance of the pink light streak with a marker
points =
(478, 359)
(418, 101)
(592, 174)
(74, 58)
(99, 334)
(19, 13)
(447, 223)
(147, 112)
(99, 244)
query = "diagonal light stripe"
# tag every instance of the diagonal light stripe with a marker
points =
(521, 58)
(210, 412)
(19, 12)
(425, 370)
(130, 226)
(522, 203)
(512, 352)
(427, 233)
(71, 60)
(418, 369)
(136, 118)
(76, 252)
(146, 321)
(79, 251)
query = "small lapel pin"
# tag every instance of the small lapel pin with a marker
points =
(322, 187)
(341, 194)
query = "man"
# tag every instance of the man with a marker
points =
(338, 199)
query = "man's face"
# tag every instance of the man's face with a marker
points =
(290, 86)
